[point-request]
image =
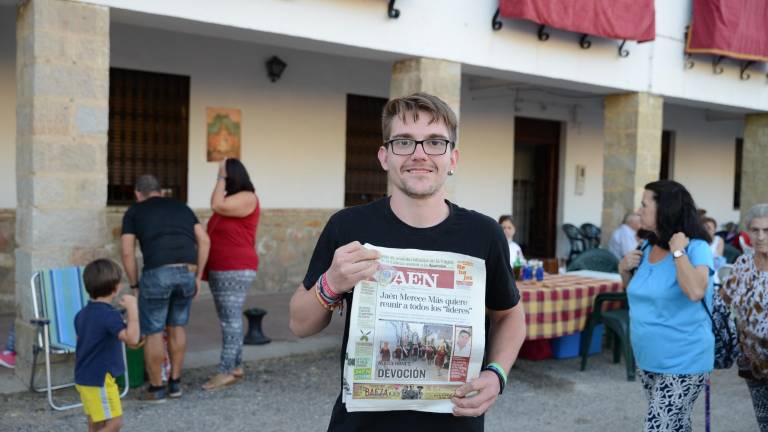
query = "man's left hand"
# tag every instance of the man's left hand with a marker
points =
(475, 397)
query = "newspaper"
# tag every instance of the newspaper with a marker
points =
(416, 332)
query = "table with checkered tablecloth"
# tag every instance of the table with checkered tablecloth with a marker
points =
(560, 304)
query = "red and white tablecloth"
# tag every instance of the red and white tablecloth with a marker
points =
(560, 304)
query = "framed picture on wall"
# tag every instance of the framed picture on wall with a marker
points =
(223, 129)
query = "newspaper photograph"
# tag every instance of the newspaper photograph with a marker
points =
(416, 333)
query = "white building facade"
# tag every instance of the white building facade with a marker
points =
(549, 131)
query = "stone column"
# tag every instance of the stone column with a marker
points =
(632, 153)
(441, 78)
(62, 90)
(438, 77)
(754, 176)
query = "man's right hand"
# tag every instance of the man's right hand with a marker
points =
(351, 264)
(630, 261)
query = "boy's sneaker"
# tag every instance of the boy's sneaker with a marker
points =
(153, 395)
(174, 388)
(8, 359)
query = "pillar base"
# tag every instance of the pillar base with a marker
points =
(255, 336)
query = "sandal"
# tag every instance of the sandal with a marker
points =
(219, 381)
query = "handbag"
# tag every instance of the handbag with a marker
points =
(724, 329)
(726, 344)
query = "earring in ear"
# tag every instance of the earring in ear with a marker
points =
(450, 172)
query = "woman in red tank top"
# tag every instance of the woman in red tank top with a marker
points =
(232, 262)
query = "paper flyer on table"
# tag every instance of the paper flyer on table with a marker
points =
(416, 332)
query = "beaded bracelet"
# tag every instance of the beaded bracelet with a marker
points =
(328, 301)
(327, 294)
(323, 298)
(327, 286)
(324, 303)
(500, 374)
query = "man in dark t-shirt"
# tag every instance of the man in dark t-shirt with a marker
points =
(418, 155)
(175, 249)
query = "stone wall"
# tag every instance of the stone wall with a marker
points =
(286, 239)
(7, 268)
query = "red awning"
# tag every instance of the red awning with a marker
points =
(616, 19)
(733, 28)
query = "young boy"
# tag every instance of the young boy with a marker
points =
(98, 358)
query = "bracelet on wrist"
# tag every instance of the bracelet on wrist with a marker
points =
(326, 302)
(135, 286)
(328, 298)
(320, 299)
(326, 290)
(500, 374)
(327, 286)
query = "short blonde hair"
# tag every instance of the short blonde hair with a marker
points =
(438, 110)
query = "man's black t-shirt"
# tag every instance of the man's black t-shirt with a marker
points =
(165, 228)
(463, 231)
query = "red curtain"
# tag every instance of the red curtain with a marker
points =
(616, 19)
(733, 28)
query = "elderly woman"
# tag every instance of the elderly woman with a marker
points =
(671, 331)
(746, 291)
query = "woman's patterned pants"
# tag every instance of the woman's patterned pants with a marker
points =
(229, 289)
(759, 391)
(670, 400)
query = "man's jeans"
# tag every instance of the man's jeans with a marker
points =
(165, 296)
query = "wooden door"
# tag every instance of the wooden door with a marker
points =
(541, 140)
(364, 179)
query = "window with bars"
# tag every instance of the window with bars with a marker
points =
(148, 132)
(364, 180)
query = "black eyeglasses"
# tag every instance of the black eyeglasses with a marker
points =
(407, 146)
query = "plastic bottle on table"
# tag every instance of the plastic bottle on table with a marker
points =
(516, 268)
(527, 272)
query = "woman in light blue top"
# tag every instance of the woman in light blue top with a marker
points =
(670, 329)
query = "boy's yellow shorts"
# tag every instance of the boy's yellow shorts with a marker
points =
(101, 403)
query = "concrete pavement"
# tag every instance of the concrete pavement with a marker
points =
(296, 393)
(291, 385)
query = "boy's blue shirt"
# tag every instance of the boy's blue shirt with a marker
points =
(98, 349)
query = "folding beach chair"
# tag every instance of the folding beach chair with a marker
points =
(57, 296)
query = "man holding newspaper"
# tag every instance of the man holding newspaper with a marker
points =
(423, 272)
